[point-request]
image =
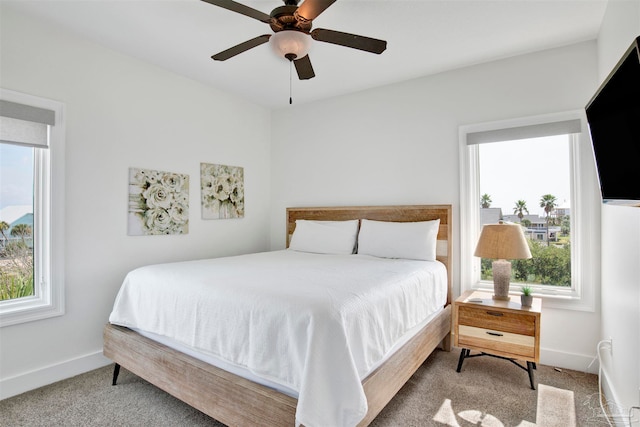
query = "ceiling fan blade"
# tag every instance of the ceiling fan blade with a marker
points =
(310, 9)
(304, 68)
(349, 40)
(240, 8)
(242, 47)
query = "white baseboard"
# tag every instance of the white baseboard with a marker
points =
(618, 413)
(27, 381)
(576, 362)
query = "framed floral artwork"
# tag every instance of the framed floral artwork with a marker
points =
(158, 202)
(222, 191)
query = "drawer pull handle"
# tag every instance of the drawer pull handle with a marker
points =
(495, 334)
(495, 313)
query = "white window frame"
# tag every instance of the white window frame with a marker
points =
(48, 217)
(585, 214)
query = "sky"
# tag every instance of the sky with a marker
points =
(16, 175)
(525, 170)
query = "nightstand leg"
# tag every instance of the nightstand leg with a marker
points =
(530, 367)
(463, 353)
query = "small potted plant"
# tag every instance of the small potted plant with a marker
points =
(526, 299)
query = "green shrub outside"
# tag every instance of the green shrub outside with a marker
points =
(549, 265)
(16, 271)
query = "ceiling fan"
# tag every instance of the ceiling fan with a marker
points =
(291, 25)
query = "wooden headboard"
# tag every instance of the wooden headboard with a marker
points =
(406, 213)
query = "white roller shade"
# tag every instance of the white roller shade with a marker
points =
(525, 132)
(24, 124)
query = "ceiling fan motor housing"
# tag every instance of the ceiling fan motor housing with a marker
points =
(286, 18)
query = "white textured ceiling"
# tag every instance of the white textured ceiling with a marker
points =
(424, 37)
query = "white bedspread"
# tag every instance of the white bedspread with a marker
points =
(313, 323)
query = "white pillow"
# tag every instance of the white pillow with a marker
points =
(325, 237)
(410, 240)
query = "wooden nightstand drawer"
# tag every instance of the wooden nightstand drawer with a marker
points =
(500, 320)
(504, 343)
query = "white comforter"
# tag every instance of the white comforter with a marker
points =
(313, 323)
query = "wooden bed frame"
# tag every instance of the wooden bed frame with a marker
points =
(236, 401)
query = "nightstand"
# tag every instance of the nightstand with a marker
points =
(503, 329)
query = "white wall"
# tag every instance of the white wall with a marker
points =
(399, 145)
(620, 243)
(122, 113)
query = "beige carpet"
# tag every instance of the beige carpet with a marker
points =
(488, 392)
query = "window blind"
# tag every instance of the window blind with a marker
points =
(525, 132)
(24, 124)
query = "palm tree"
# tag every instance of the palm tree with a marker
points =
(548, 202)
(21, 230)
(565, 225)
(520, 209)
(4, 226)
(485, 201)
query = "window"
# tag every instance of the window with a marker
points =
(16, 221)
(527, 182)
(31, 208)
(537, 172)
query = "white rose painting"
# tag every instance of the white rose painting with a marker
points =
(222, 191)
(158, 202)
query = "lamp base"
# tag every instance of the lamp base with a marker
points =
(501, 277)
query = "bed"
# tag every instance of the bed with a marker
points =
(238, 400)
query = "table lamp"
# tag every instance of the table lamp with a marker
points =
(501, 242)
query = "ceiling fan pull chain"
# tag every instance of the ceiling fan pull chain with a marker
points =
(290, 84)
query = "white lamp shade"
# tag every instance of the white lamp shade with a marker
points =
(290, 42)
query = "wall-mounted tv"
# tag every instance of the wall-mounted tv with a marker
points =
(614, 122)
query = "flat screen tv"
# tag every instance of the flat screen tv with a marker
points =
(614, 123)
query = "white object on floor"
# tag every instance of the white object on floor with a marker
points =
(556, 407)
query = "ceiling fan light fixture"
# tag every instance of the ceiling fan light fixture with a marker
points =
(287, 43)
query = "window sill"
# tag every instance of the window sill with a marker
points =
(28, 309)
(569, 299)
